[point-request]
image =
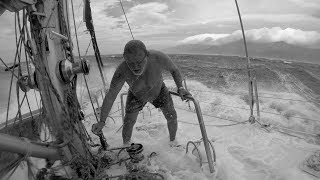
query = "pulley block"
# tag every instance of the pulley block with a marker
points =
(28, 82)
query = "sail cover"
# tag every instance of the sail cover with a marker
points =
(87, 16)
(14, 5)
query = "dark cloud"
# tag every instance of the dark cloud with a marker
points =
(115, 10)
(316, 14)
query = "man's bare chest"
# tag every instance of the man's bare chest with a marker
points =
(147, 80)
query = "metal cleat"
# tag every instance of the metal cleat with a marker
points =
(252, 119)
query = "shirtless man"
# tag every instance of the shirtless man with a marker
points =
(142, 70)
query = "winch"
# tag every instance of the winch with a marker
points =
(66, 70)
(135, 152)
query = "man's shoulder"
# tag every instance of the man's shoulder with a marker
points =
(157, 55)
(122, 68)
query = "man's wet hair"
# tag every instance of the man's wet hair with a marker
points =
(133, 46)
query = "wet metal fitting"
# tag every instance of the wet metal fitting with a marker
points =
(28, 82)
(135, 152)
(81, 115)
(66, 70)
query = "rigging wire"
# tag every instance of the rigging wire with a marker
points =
(26, 57)
(74, 24)
(215, 125)
(26, 94)
(21, 32)
(12, 167)
(288, 134)
(267, 97)
(12, 71)
(209, 115)
(81, 135)
(19, 105)
(31, 52)
(84, 77)
(126, 19)
(11, 81)
(77, 29)
(81, 94)
(88, 47)
(296, 131)
(49, 19)
(267, 112)
(274, 127)
(35, 96)
(80, 21)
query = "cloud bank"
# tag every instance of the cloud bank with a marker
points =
(204, 38)
(262, 35)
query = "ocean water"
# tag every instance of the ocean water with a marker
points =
(33, 97)
(219, 83)
(4, 89)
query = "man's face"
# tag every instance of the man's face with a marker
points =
(136, 61)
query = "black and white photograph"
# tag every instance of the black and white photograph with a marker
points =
(159, 89)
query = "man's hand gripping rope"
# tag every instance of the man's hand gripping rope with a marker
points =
(97, 130)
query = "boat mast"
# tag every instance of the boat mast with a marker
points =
(55, 77)
(55, 70)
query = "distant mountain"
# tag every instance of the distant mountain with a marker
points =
(276, 50)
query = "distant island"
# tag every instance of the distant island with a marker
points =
(276, 50)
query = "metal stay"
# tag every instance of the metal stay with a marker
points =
(201, 124)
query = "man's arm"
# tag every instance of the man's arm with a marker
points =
(115, 86)
(168, 65)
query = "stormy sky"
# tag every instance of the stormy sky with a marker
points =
(164, 23)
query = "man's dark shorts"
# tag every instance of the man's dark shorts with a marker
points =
(135, 105)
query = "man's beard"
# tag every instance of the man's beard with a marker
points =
(139, 73)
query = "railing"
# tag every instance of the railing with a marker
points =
(201, 124)
(202, 128)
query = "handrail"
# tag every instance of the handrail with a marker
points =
(202, 128)
(185, 86)
(201, 123)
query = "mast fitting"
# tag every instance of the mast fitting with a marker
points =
(66, 70)
(28, 82)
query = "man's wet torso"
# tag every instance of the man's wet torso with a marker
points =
(147, 86)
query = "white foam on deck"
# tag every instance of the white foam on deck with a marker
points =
(243, 151)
